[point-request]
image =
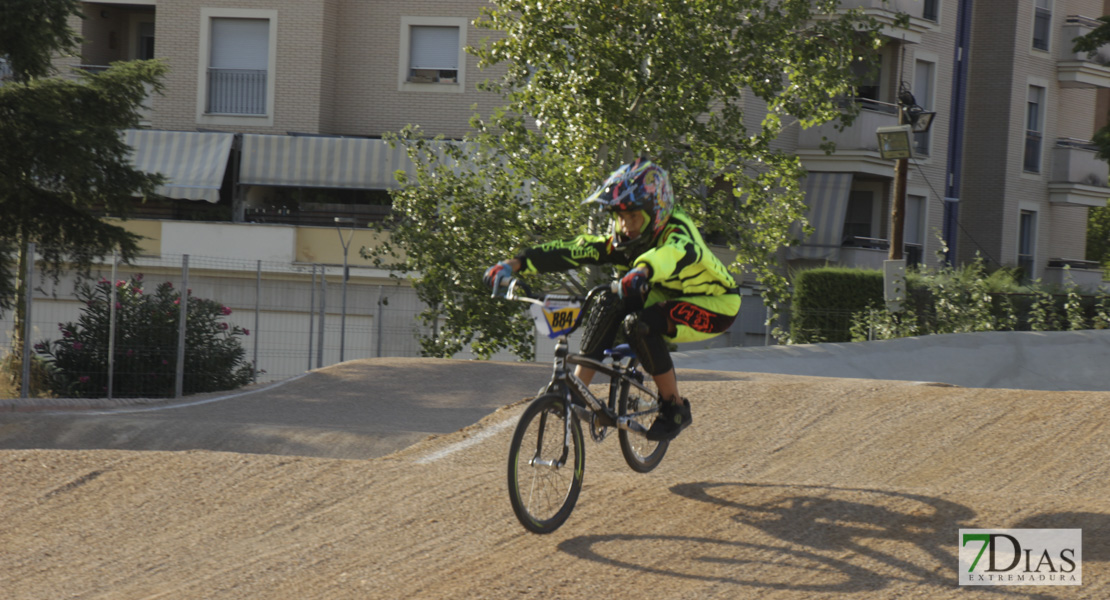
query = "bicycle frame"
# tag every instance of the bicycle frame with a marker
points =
(580, 400)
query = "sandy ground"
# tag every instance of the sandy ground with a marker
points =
(784, 487)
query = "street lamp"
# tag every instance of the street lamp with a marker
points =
(343, 315)
(896, 143)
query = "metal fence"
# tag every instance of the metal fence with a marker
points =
(286, 318)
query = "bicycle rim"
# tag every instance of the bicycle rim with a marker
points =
(640, 453)
(545, 475)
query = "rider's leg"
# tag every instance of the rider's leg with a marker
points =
(603, 320)
(586, 374)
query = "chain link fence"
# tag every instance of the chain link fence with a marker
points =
(117, 331)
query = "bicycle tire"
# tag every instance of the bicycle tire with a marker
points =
(641, 454)
(543, 496)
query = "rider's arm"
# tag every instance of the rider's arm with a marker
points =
(565, 255)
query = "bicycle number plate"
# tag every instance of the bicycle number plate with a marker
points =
(556, 317)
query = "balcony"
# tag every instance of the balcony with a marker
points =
(236, 91)
(1076, 69)
(1063, 272)
(1079, 177)
(923, 16)
(870, 253)
(857, 147)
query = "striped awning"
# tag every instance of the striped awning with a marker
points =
(327, 162)
(193, 163)
(827, 201)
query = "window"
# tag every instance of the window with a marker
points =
(432, 54)
(930, 12)
(858, 218)
(1034, 129)
(924, 75)
(237, 67)
(145, 43)
(868, 80)
(914, 230)
(1027, 243)
(1042, 24)
(238, 49)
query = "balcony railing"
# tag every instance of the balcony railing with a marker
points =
(914, 8)
(1076, 161)
(860, 135)
(236, 91)
(1077, 69)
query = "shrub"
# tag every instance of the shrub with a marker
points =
(825, 300)
(145, 354)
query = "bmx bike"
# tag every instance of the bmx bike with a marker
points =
(547, 456)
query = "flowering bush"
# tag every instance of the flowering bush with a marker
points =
(146, 344)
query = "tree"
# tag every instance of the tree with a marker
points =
(61, 153)
(1098, 235)
(705, 87)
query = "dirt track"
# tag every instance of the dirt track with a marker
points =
(785, 487)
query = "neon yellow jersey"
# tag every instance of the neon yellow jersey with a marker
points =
(680, 261)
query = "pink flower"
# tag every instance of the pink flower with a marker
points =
(177, 302)
(40, 347)
(78, 345)
(118, 306)
(66, 333)
(246, 331)
(225, 310)
(83, 379)
(119, 283)
(138, 291)
(223, 325)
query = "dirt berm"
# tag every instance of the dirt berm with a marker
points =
(784, 487)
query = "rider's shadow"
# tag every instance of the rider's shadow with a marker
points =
(1095, 526)
(838, 520)
(834, 539)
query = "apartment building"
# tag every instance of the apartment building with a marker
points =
(296, 93)
(1007, 171)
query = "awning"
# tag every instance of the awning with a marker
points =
(193, 163)
(827, 199)
(327, 162)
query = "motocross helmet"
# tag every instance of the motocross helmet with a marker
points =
(641, 185)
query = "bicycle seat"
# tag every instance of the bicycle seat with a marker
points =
(620, 352)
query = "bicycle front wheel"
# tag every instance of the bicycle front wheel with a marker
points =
(547, 458)
(639, 452)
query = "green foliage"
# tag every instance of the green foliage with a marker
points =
(145, 356)
(31, 30)
(61, 153)
(1043, 315)
(1098, 235)
(825, 300)
(704, 87)
(968, 299)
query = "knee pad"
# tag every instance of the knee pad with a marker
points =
(603, 319)
(645, 336)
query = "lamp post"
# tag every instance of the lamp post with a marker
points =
(343, 315)
(897, 143)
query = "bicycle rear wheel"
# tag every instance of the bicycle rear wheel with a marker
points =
(545, 474)
(640, 453)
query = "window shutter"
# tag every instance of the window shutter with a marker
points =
(434, 48)
(240, 44)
